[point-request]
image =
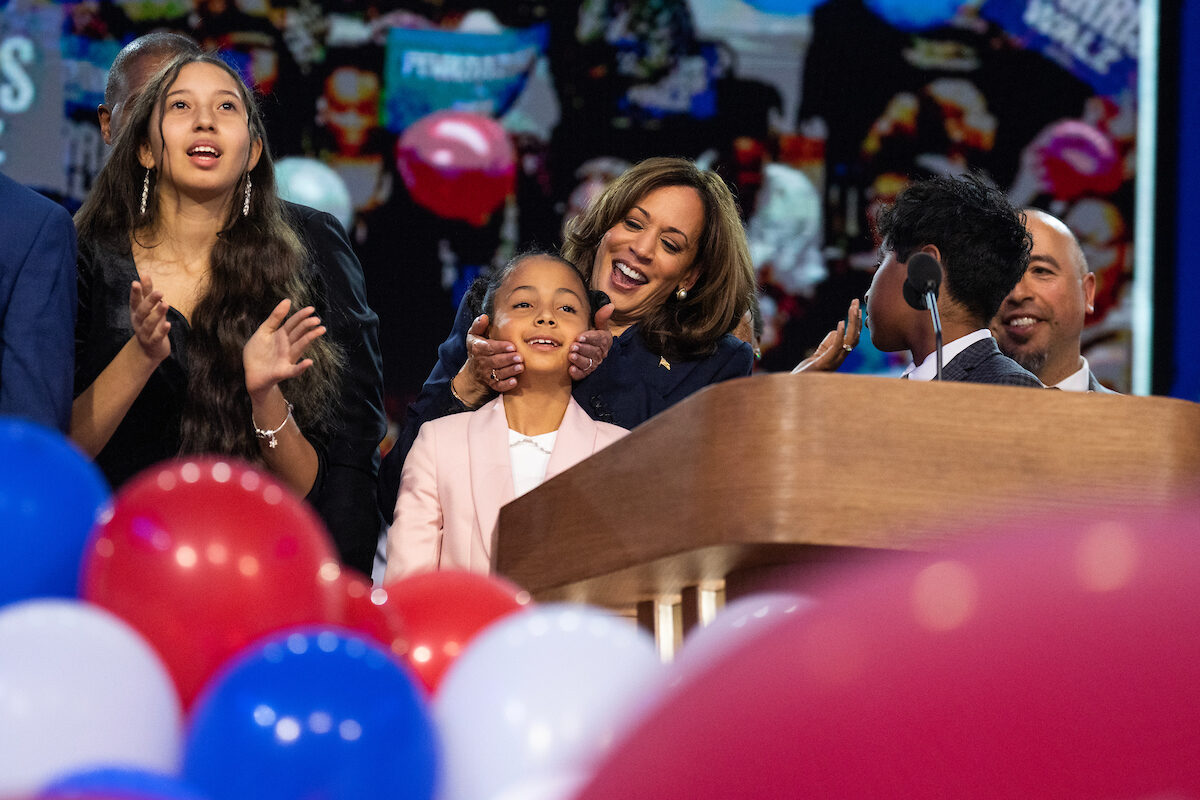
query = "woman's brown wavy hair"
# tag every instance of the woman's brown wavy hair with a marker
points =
(725, 275)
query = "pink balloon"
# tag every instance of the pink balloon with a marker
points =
(1080, 160)
(1064, 663)
(457, 164)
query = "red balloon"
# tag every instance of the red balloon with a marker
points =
(442, 612)
(1064, 664)
(458, 165)
(203, 556)
(367, 610)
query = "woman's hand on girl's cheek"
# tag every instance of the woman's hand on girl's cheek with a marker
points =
(592, 346)
(491, 363)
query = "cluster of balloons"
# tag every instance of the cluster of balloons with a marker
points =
(214, 650)
(194, 637)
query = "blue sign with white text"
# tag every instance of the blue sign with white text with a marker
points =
(434, 70)
(1097, 40)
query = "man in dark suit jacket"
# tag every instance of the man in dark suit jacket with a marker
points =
(348, 504)
(982, 247)
(1041, 320)
(37, 307)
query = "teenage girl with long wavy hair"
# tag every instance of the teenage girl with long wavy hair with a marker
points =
(197, 329)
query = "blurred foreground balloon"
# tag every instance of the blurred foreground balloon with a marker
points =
(538, 699)
(735, 625)
(203, 556)
(115, 783)
(367, 611)
(312, 713)
(79, 688)
(442, 611)
(457, 164)
(1064, 664)
(50, 496)
(313, 183)
(915, 15)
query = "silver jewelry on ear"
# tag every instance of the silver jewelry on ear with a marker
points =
(145, 192)
(681, 294)
(246, 202)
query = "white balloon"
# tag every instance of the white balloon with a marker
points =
(312, 183)
(538, 698)
(80, 689)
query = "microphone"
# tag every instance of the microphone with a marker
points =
(924, 278)
(921, 292)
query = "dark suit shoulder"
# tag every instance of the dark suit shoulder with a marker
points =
(27, 211)
(982, 362)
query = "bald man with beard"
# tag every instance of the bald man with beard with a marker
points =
(1041, 320)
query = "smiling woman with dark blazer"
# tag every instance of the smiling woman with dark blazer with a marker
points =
(666, 243)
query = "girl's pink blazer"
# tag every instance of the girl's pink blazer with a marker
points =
(456, 478)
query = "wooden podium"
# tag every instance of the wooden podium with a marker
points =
(784, 469)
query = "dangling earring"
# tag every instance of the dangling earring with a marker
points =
(681, 294)
(246, 202)
(145, 192)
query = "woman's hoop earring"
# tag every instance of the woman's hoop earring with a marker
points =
(145, 192)
(246, 202)
(681, 294)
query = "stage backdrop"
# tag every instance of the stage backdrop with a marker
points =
(817, 112)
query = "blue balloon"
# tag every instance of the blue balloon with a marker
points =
(915, 15)
(791, 7)
(50, 497)
(313, 712)
(114, 782)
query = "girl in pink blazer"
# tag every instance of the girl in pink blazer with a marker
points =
(464, 467)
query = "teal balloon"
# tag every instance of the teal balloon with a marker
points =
(312, 713)
(313, 183)
(50, 497)
(788, 7)
(915, 15)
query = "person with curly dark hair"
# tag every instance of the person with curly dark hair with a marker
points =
(196, 331)
(979, 240)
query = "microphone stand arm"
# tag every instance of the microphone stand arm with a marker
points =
(931, 304)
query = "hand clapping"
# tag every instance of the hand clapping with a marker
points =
(273, 353)
(148, 315)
